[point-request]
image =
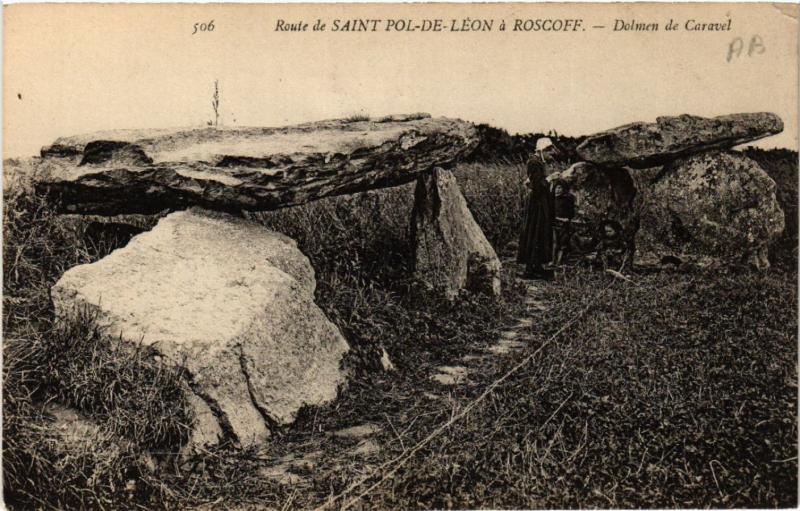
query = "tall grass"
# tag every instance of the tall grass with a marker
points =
(496, 196)
(134, 398)
(674, 390)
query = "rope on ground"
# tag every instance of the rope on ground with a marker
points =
(401, 460)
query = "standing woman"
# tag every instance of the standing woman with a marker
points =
(536, 238)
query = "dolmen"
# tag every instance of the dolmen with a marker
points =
(679, 189)
(221, 295)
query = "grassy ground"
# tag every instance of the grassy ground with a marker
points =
(673, 389)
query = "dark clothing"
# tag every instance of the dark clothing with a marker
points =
(565, 206)
(565, 212)
(536, 239)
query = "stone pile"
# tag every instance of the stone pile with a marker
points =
(678, 179)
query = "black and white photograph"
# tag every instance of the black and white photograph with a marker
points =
(400, 256)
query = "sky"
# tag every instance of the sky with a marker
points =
(72, 69)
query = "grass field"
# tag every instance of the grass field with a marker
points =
(671, 389)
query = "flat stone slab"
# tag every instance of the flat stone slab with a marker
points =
(360, 431)
(450, 375)
(366, 448)
(642, 145)
(231, 169)
(505, 347)
(523, 323)
(285, 471)
(283, 475)
(509, 335)
(535, 304)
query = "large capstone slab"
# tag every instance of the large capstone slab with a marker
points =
(231, 301)
(719, 205)
(642, 145)
(233, 169)
(451, 251)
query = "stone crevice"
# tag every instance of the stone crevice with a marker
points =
(271, 424)
(219, 415)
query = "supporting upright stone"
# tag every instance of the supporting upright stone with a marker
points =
(603, 195)
(451, 251)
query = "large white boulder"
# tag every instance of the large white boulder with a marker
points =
(231, 301)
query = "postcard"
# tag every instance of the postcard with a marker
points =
(400, 256)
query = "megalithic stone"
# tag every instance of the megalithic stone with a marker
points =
(451, 252)
(231, 302)
(234, 169)
(643, 145)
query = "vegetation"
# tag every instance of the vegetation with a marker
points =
(781, 165)
(668, 389)
(497, 145)
(674, 390)
(357, 117)
(215, 103)
(124, 389)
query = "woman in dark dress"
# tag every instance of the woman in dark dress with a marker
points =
(536, 238)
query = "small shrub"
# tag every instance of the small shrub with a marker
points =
(358, 117)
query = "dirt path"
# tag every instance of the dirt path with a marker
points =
(359, 447)
(509, 341)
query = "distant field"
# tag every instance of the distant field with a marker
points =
(672, 389)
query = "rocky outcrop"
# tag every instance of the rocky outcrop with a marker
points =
(642, 145)
(232, 302)
(451, 251)
(720, 205)
(233, 169)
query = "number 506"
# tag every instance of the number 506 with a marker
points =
(203, 27)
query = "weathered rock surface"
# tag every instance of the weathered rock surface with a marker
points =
(231, 301)
(600, 193)
(720, 205)
(105, 151)
(232, 169)
(451, 251)
(76, 432)
(642, 145)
